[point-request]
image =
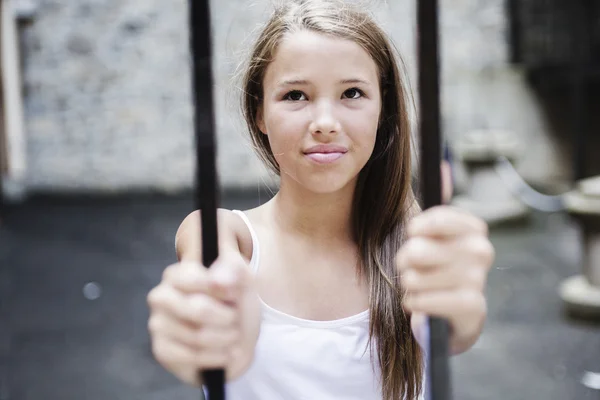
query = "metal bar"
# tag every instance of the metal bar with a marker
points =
(514, 31)
(206, 175)
(13, 124)
(582, 25)
(429, 108)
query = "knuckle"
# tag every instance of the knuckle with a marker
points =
(463, 298)
(440, 213)
(414, 221)
(154, 324)
(158, 352)
(477, 223)
(410, 280)
(155, 297)
(155, 349)
(201, 308)
(416, 248)
(169, 272)
(469, 299)
(203, 338)
(482, 248)
(482, 226)
(151, 297)
(475, 278)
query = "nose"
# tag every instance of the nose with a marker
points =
(324, 120)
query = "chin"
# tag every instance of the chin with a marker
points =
(327, 185)
(321, 181)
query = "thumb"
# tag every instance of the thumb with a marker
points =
(447, 184)
(418, 322)
(228, 278)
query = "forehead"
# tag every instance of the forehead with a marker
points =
(307, 54)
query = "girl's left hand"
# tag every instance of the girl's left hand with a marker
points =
(443, 267)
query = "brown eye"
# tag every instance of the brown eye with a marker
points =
(294, 95)
(353, 93)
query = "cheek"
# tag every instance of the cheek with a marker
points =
(365, 132)
(284, 135)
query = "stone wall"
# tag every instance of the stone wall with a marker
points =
(107, 90)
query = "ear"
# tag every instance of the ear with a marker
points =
(260, 121)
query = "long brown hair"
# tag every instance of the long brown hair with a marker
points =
(383, 196)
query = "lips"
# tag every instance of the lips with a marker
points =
(325, 153)
(326, 148)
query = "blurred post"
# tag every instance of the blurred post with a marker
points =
(13, 155)
(581, 293)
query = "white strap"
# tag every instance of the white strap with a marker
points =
(254, 261)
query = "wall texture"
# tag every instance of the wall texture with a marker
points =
(107, 90)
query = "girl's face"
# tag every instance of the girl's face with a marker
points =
(321, 110)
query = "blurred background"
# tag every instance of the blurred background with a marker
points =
(97, 160)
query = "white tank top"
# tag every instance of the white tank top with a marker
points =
(299, 359)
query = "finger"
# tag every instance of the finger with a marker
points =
(439, 279)
(419, 328)
(193, 309)
(165, 325)
(446, 221)
(162, 325)
(171, 353)
(447, 183)
(226, 292)
(208, 311)
(214, 358)
(166, 299)
(189, 277)
(422, 252)
(217, 338)
(228, 279)
(451, 304)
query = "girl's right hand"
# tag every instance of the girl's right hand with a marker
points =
(204, 319)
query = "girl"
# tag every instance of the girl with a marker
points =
(320, 293)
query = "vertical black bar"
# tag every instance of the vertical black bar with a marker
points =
(429, 108)
(514, 31)
(581, 25)
(206, 174)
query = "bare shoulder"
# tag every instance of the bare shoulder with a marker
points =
(234, 235)
(238, 229)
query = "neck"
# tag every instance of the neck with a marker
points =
(321, 217)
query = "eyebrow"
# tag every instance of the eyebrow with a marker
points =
(305, 82)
